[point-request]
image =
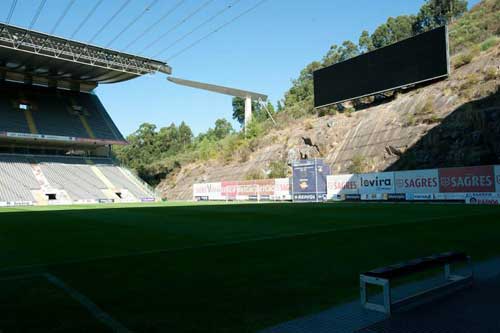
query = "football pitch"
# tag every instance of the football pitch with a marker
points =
(207, 267)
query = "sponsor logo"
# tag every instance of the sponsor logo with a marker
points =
(303, 184)
(466, 181)
(375, 182)
(106, 200)
(423, 182)
(470, 179)
(396, 196)
(420, 196)
(482, 199)
(344, 185)
(353, 196)
(304, 197)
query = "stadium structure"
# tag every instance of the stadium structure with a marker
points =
(55, 134)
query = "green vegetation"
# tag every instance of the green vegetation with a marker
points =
(278, 169)
(349, 111)
(358, 164)
(491, 73)
(215, 268)
(255, 174)
(426, 109)
(411, 120)
(489, 43)
(154, 153)
(462, 59)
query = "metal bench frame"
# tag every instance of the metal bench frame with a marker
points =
(453, 282)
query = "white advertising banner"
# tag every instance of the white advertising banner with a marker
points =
(282, 189)
(497, 178)
(211, 191)
(418, 181)
(40, 136)
(419, 196)
(482, 198)
(15, 203)
(341, 184)
(380, 182)
(374, 196)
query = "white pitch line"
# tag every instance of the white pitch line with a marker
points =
(88, 304)
(236, 242)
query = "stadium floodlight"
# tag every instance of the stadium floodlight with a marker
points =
(247, 95)
(51, 57)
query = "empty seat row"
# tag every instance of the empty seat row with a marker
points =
(54, 112)
(80, 178)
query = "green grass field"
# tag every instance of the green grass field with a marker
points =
(184, 267)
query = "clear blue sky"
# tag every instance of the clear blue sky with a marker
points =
(262, 51)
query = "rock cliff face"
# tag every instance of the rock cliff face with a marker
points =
(451, 122)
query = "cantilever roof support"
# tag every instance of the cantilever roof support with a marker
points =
(247, 95)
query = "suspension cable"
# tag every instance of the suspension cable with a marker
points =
(222, 26)
(37, 14)
(92, 11)
(108, 22)
(134, 21)
(63, 15)
(181, 22)
(148, 29)
(11, 11)
(199, 26)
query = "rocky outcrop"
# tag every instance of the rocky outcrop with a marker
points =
(451, 122)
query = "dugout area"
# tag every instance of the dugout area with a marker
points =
(239, 268)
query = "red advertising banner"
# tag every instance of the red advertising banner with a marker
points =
(229, 189)
(467, 179)
(256, 187)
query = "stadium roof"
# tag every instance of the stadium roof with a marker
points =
(46, 57)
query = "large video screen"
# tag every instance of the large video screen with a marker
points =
(417, 59)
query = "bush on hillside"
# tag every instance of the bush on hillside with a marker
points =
(462, 59)
(358, 164)
(489, 43)
(278, 169)
(255, 174)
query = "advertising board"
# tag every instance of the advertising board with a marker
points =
(341, 184)
(419, 196)
(282, 189)
(16, 203)
(418, 181)
(482, 198)
(309, 180)
(380, 182)
(497, 178)
(396, 196)
(467, 179)
(255, 187)
(212, 191)
(352, 197)
(374, 196)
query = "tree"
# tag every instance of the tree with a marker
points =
(239, 109)
(365, 42)
(279, 107)
(222, 128)
(436, 13)
(185, 135)
(340, 53)
(302, 89)
(394, 30)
